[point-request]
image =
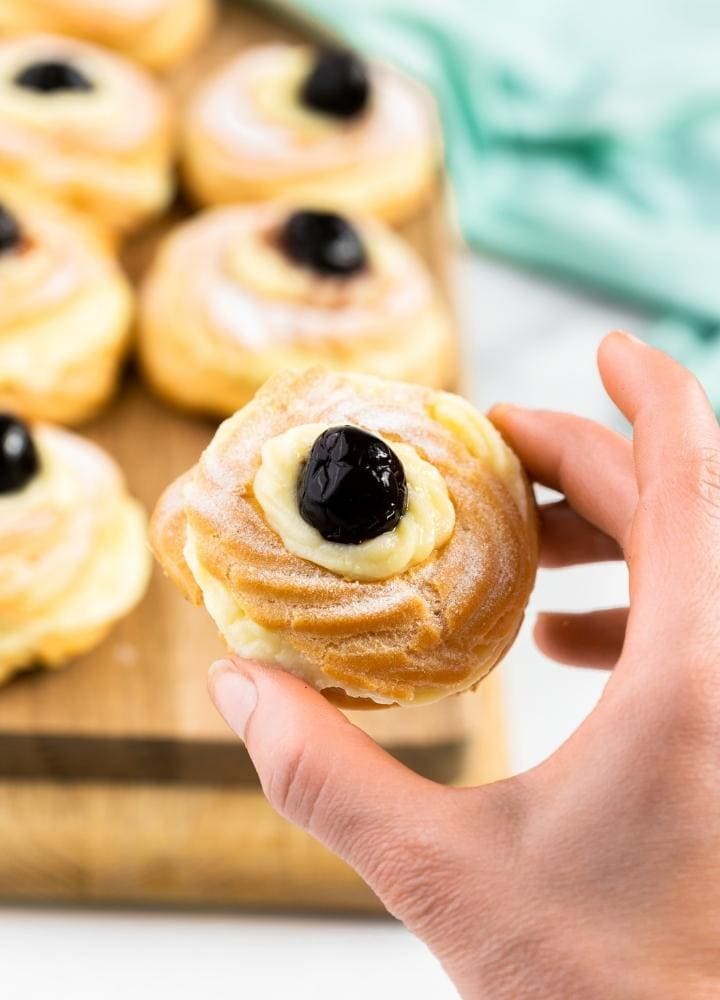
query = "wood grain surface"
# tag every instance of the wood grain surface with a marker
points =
(190, 845)
(117, 778)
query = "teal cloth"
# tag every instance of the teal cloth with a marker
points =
(583, 138)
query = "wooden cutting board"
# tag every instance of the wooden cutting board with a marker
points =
(118, 780)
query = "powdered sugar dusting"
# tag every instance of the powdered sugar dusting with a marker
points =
(438, 626)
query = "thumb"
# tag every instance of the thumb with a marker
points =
(329, 777)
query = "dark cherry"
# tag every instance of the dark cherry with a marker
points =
(325, 242)
(10, 235)
(338, 84)
(352, 486)
(18, 457)
(52, 75)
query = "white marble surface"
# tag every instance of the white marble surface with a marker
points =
(528, 341)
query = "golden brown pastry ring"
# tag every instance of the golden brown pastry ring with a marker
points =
(434, 629)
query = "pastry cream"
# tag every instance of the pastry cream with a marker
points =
(276, 96)
(254, 259)
(483, 441)
(243, 635)
(246, 638)
(73, 554)
(426, 525)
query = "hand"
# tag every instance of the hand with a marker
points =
(596, 874)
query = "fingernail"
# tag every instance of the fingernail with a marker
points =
(630, 336)
(234, 695)
(500, 409)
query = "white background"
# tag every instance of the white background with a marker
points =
(527, 341)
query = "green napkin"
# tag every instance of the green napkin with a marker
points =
(581, 138)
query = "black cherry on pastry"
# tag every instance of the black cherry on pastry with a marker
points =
(325, 242)
(352, 487)
(337, 85)
(18, 456)
(10, 235)
(52, 75)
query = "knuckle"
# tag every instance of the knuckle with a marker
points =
(687, 390)
(695, 479)
(295, 784)
(704, 478)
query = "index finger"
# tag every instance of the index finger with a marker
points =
(589, 463)
(676, 439)
(676, 448)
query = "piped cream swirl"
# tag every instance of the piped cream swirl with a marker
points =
(426, 524)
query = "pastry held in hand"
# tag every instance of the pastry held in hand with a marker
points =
(375, 538)
(158, 33)
(239, 293)
(315, 127)
(86, 126)
(65, 311)
(73, 546)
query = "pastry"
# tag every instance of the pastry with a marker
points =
(73, 552)
(375, 538)
(238, 293)
(86, 126)
(158, 33)
(315, 127)
(65, 312)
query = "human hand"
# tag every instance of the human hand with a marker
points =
(595, 875)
